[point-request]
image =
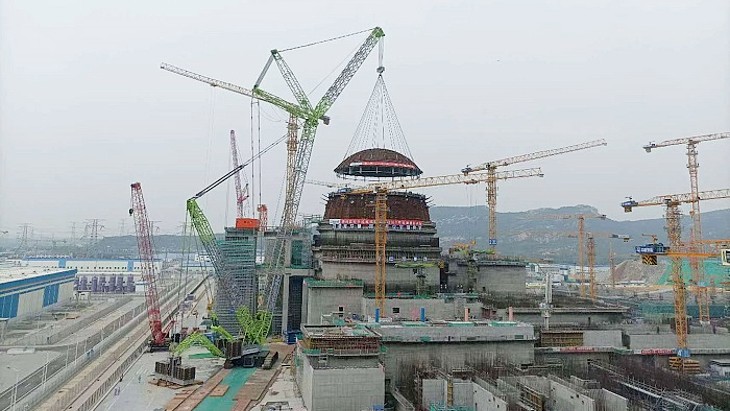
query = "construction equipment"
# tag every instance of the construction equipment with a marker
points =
(298, 171)
(327, 184)
(417, 268)
(198, 338)
(207, 236)
(591, 250)
(581, 240)
(381, 189)
(673, 201)
(311, 116)
(696, 232)
(649, 253)
(241, 191)
(138, 210)
(491, 168)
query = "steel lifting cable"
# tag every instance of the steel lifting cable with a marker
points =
(327, 40)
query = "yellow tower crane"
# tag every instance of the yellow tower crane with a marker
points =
(581, 240)
(672, 202)
(696, 232)
(491, 169)
(381, 190)
(674, 235)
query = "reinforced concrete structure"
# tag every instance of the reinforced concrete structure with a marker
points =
(24, 290)
(337, 368)
(239, 255)
(451, 345)
(345, 246)
(488, 274)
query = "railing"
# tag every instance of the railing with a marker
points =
(124, 325)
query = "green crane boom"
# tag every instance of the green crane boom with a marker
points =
(197, 338)
(304, 151)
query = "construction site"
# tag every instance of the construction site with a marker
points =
(363, 306)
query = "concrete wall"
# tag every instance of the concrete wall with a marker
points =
(327, 300)
(558, 318)
(433, 391)
(400, 356)
(485, 400)
(494, 279)
(463, 393)
(436, 308)
(399, 279)
(347, 389)
(602, 338)
(643, 341)
(565, 398)
(612, 401)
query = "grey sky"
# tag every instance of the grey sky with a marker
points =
(85, 110)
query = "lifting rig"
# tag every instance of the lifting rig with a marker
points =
(696, 232)
(491, 169)
(381, 190)
(581, 242)
(649, 254)
(672, 203)
(311, 115)
(138, 210)
(241, 191)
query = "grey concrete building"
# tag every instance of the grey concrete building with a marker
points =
(337, 368)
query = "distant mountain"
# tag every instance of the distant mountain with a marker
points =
(532, 234)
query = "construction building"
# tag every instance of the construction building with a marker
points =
(239, 254)
(24, 290)
(492, 274)
(338, 368)
(451, 345)
(299, 267)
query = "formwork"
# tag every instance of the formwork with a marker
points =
(239, 257)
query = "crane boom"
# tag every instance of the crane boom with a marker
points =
(687, 140)
(450, 179)
(256, 93)
(491, 168)
(303, 157)
(680, 198)
(696, 233)
(533, 156)
(240, 195)
(143, 228)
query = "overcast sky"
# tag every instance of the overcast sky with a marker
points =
(85, 109)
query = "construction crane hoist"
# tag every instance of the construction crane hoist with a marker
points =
(381, 190)
(491, 168)
(696, 232)
(311, 115)
(138, 210)
(675, 251)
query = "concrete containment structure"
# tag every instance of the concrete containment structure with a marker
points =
(337, 369)
(24, 291)
(345, 246)
(452, 344)
(337, 298)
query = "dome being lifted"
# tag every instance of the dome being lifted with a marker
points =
(379, 163)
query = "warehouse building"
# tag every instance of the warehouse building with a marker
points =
(25, 291)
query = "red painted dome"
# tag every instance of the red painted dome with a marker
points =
(378, 162)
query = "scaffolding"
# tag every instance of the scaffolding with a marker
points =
(239, 256)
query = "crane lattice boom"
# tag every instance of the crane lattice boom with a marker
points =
(449, 180)
(533, 156)
(680, 198)
(241, 194)
(147, 259)
(687, 140)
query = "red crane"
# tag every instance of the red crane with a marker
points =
(142, 226)
(241, 192)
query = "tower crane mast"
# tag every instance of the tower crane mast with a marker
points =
(581, 218)
(381, 190)
(696, 232)
(672, 217)
(491, 168)
(241, 192)
(142, 225)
